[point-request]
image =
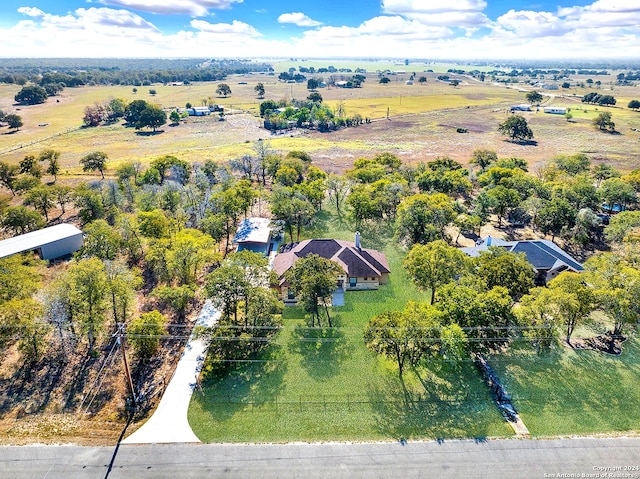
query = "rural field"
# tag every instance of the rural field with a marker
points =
(415, 122)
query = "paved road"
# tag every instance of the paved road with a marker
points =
(450, 459)
(169, 424)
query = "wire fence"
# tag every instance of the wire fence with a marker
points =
(11, 149)
(340, 402)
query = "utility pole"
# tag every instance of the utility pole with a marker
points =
(121, 342)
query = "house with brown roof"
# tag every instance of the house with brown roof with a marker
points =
(363, 268)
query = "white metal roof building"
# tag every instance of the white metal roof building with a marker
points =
(51, 243)
(253, 230)
(255, 234)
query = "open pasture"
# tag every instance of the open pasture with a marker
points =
(422, 124)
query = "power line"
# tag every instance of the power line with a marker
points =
(98, 378)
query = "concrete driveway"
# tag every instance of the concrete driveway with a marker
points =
(169, 424)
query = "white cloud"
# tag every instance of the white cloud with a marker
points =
(91, 20)
(194, 8)
(604, 29)
(528, 24)
(298, 18)
(380, 36)
(620, 6)
(395, 26)
(452, 13)
(429, 6)
(603, 13)
(235, 28)
(107, 17)
(31, 11)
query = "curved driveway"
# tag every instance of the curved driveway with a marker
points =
(169, 424)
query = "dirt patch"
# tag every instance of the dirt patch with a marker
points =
(607, 343)
(71, 396)
(426, 136)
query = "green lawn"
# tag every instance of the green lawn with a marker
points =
(321, 384)
(574, 391)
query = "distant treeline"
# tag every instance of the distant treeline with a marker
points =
(109, 71)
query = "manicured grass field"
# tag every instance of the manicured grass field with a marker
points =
(323, 384)
(574, 391)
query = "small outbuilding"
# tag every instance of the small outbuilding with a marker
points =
(50, 243)
(199, 111)
(256, 234)
(555, 110)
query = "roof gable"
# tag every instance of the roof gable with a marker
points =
(558, 254)
(327, 248)
(356, 262)
(376, 259)
(356, 265)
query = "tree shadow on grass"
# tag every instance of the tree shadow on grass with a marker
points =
(320, 223)
(77, 385)
(322, 349)
(149, 133)
(433, 408)
(250, 383)
(523, 142)
(579, 388)
(374, 234)
(32, 385)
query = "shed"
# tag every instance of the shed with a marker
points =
(199, 111)
(555, 110)
(50, 243)
(255, 234)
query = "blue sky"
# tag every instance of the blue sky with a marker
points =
(462, 29)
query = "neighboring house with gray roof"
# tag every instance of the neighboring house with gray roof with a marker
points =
(547, 259)
(363, 268)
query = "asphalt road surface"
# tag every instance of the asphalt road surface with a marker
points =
(584, 457)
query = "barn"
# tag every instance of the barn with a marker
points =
(199, 111)
(50, 243)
